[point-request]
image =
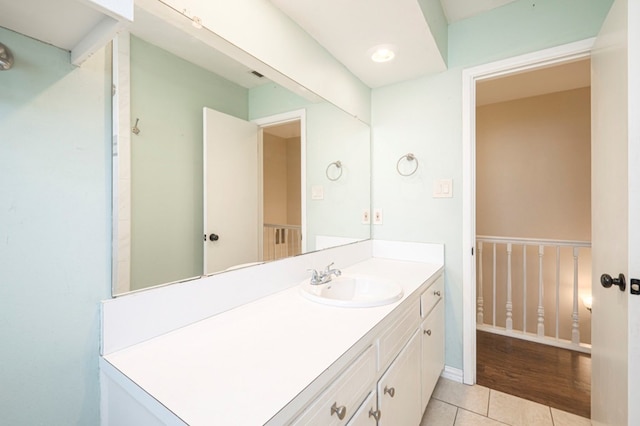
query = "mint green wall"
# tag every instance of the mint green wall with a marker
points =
(423, 116)
(167, 95)
(523, 26)
(55, 232)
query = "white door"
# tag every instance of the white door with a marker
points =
(615, 200)
(230, 191)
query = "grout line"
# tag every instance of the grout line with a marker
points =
(456, 416)
(489, 402)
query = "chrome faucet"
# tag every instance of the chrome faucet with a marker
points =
(324, 276)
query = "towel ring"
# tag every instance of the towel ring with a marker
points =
(409, 157)
(338, 166)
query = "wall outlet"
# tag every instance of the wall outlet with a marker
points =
(377, 217)
(366, 217)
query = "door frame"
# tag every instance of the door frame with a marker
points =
(528, 62)
(272, 120)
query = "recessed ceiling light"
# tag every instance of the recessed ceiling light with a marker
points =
(383, 53)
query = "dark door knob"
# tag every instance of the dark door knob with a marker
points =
(607, 281)
(214, 237)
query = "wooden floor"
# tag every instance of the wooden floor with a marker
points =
(551, 376)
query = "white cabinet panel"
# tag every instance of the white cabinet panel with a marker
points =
(399, 388)
(367, 414)
(339, 402)
(432, 337)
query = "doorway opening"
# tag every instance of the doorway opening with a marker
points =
(472, 78)
(282, 200)
(533, 225)
(282, 153)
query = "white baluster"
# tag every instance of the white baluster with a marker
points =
(480, 319)
(509, 306)
(557, 291)
(524, 288)
(540, 293)
(494, 284)
(575, 326)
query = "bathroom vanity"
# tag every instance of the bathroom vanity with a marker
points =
(282, 358)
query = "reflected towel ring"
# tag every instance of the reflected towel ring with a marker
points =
(338, 165)
(409, 157)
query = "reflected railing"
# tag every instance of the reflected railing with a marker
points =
(281, 241)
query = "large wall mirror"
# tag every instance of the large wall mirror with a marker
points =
(222, 163)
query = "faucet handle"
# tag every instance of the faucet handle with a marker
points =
(314, 276)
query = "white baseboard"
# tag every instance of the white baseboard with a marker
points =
(451, 373)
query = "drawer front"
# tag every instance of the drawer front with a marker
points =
(431, 296)
(395, 337)
(345, 394)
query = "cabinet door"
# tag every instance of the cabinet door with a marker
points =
(367, 414)
(399, 388)
(432, 336)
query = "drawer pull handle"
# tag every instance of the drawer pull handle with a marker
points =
(390, 391)
(436, 292)
(375, 414)
(340, 411)
(427, 332)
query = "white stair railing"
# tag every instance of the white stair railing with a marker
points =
(560, 265)
(281, 241)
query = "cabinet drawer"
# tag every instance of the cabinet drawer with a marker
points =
(395, 337)
(431, 296)
(348, 390)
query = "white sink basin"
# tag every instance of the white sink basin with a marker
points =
(353, 291)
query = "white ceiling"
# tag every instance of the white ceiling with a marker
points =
(51, 22)
(348, 29)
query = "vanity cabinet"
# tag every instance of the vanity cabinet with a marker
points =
(432, 338)
(410, 358)
(352, 367)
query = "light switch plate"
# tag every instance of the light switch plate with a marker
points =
(443, 188)
(317, 192)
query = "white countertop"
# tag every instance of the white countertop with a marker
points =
(245, 365)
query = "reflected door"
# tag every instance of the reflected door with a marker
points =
(230, 191)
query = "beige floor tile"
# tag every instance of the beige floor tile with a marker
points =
(562, 418)
(467, 418)
(517, 411)
(439, 413)
(471, 398)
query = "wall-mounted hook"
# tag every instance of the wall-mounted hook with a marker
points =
(135, 129)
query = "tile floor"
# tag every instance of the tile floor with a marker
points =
(455, 404)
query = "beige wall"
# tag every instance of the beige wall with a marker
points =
(533, 167)
(281, 180)
(533, 181)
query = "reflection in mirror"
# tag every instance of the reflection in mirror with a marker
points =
(169, 189)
